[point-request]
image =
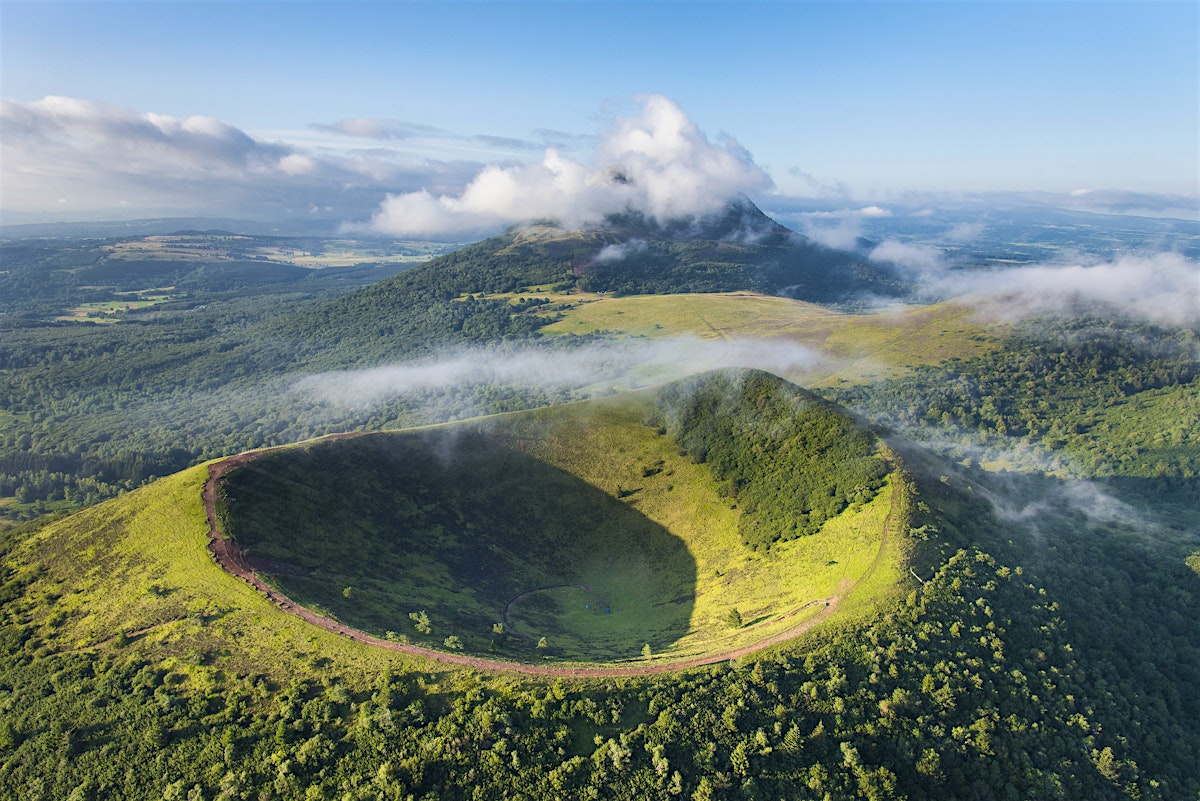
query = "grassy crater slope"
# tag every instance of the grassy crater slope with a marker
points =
(579, 524)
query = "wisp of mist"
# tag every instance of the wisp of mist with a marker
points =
(596, 368)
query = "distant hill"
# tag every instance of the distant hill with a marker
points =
(738, 249)
(446, 300)
(168, 225)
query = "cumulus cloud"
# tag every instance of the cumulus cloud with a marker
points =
(296, 164)
(657, 163)
(600, 367)
(100, 130)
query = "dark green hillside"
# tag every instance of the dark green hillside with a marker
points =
(739, 249)
(202, 369)
(1044, 645)
(1122, 591)
(420, 309)
(1110, 408)
(791, 460)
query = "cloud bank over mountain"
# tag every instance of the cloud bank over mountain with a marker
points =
(657, 163)
(69, 156)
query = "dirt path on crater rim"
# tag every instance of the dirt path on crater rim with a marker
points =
(230, 558)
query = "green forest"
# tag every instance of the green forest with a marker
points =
(974, 686)
(789, 459)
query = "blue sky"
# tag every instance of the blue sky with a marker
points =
(828, 101)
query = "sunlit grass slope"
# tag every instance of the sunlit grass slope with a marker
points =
(579, 524)
(135, 573)
(856, 347)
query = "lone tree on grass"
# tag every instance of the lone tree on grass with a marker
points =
(735, 618)
(421, 621)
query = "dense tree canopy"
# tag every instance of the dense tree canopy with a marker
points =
(791, 460)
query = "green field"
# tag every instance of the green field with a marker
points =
(1012, 576)
(106, 311)
(854, 347)
(8, 417)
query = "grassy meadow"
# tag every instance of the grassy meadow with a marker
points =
(135, 573)
(854, 347)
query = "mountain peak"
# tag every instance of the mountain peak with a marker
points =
(740, 219)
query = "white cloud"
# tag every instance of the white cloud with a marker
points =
(658, 163)
(296, 164)
(1162, 288)
(620, 251)
(837, 228)
(843, 234)
(966, 232)
(102, 158)
(599, 366)
(70, 125)
(920, 259)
